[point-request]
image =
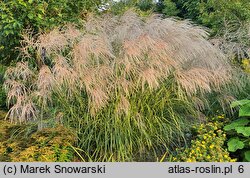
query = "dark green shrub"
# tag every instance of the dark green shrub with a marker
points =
(143, 7)
(120, 7)
(169, 8)
(2, 91)
(39, 15)
(228, 21)
(213, 13)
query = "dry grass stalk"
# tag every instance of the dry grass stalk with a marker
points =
(235, 40)
(44, 84)
(129, 54)
(18, 89)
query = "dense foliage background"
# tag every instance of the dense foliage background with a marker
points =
(39, 16)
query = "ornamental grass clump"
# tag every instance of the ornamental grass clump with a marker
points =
(128, 86)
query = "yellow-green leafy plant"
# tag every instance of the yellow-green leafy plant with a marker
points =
(128, 86)
(208, 144)
(4, 126)
(48, 145)
(246, 65)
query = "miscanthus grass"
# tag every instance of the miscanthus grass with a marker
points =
(129, 87)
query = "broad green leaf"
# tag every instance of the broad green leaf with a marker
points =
(243, 130)
(31, 16)
(234, 144)
(22, 3)
(247, 155)
(244, 110)
(40, 16)
(237, 123)
(240, 103)
(16, 24)
(4, 16)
